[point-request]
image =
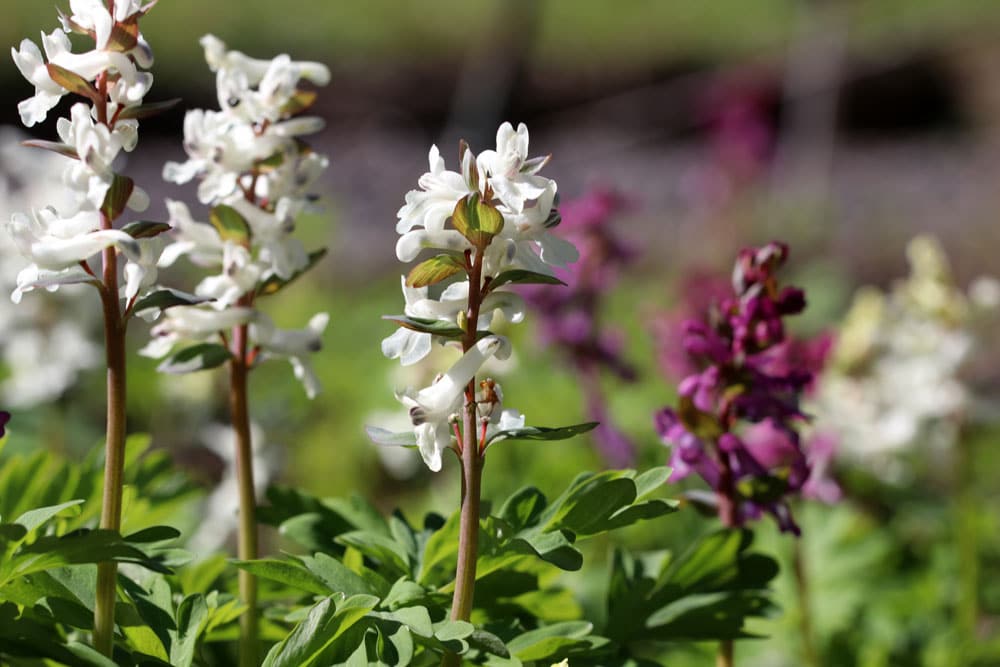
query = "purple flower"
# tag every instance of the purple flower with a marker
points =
(4, 418)
(569, 318)
(737, 424)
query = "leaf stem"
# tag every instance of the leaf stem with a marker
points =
(114, 464)
(472, 473)
(810, 654)
(724, 658)
(247, 548)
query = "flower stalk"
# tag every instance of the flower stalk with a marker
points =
(472, 455)
(247, 548)
(114, 463)
(724, 658)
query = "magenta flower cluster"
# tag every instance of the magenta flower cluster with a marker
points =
(737, 422)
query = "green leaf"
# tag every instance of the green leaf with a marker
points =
(54, 146)
(476, 220)
(149, 109)
(82, 546)
(523, 277)
(88, 656)
(300, 101)
(489, 643)
(448, 631)
(32, 519)
(192, 617)
(124, 35)
(195, 358)
(591, 510)
(549, 641)
(117, 196)
(404, 593)
(153, 534)
(74, 83)
(544, 433)
(651, 480)
(275, 284)
(325, 623)
(434, 327)
(417, 619)
(167, 298)
(230, 224)
(287, 572)
(336, 576)
(434, 270)
(381, 548)
(522, 508)
(145, 229)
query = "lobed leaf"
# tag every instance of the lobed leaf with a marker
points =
(73, 82)
(275, 284)
(230, 224)
(523, 277)
(167, 298)
(433, 327)
(544, 432)
(434, 270)
(117, 196)
(148, 110)
(54, 146)
(195, 358)
(145, 229)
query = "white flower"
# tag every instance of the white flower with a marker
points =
(220, 149)
(295, 345)
(55, 243)
(47, 92)
(192, 324)
(198, 240)
(431, 205)
(140, 272)
(411, 346)
(257, 89)
(432, 408)
(87, 65)
(97, 147)
(271, 232)
(239, 276)
(511, 174)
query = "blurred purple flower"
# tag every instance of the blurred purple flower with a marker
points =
(698, 294)
(737, 422)
(4, 418)
(570, 317)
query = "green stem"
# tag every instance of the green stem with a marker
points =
(724, 658)
(114, 464)
(468, 536)
(247, 548)
(810, 654)
(473, 460)
(966, 520)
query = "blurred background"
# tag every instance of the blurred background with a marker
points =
(844, 128)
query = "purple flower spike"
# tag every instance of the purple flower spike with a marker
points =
(570, 317)
(4, 418)
(737, 423)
